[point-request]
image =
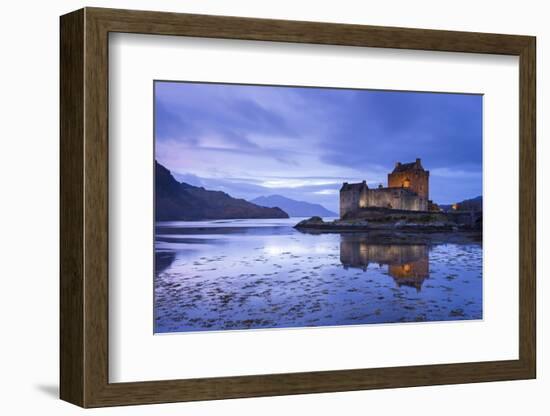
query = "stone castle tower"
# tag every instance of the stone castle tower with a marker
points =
(408, 189)
(411, 176)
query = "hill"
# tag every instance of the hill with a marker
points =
(175, 201)
(474, 204)
(294, 208)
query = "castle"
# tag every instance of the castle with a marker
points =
(408, 189)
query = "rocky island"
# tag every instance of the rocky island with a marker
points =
(401, 211)
(383, 226)
(369, 219)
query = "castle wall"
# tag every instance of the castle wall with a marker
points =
(396, 198)
(349, 201)
(419, 181)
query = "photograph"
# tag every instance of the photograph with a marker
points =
(282, 206)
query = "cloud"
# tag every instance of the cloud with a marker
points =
(327, 192)
(307, 141)
(455, 173)
(384, 127)
(296, 183)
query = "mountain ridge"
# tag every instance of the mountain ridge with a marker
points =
(179, 201)
(471, 204)
(293, 207)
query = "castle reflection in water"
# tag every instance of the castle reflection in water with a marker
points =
(408, 264)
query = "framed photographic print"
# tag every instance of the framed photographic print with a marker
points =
(255, 207)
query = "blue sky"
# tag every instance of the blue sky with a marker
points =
(302, 143)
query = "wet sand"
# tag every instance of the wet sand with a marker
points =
(265, 274)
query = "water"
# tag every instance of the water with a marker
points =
(242, 274)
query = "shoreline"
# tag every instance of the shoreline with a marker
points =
(399, 232)
(389, 237)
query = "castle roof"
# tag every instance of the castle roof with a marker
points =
(406, 167)
(353, 186)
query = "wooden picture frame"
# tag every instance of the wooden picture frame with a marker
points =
(84, 207)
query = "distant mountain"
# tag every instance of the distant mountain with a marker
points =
(180, 201)
(294, 208)
(473, 204)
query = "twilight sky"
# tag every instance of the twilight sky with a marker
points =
(302, 143)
